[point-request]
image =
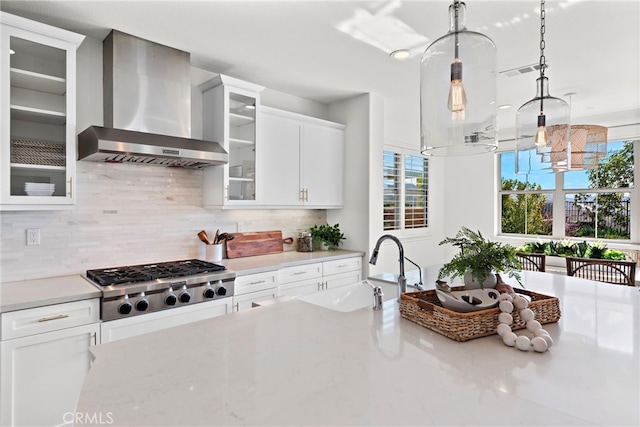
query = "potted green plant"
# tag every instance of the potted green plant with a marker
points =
(327, 235)
(479, 259)
(567, 248)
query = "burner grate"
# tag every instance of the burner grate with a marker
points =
(148, 272)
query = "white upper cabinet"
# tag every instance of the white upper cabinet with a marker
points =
(301, 161)
(38, 102)
(231, 117)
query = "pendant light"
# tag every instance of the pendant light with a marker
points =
(588, 143)
(458, 109)
(534, 119)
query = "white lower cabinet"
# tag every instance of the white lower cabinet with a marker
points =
(44, 358)
(342, 272)
(300, 280)
(310, 278)
(133, 326)
(254, 288)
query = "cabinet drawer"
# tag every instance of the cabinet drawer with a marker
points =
(256, 282)
(342, 265)
(342, 279)
(299, 272)
(21, 323)
(302, 287)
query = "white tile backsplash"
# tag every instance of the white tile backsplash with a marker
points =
(128, 214)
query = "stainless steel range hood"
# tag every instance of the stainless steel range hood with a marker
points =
(147, 109)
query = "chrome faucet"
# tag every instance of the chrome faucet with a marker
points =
(377, 296)
(419, 286)
(402, 281)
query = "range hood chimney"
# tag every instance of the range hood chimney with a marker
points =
(147, 109)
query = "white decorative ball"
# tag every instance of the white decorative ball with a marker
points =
(505, 297)
(520, 303)
(509, 339)
(547, 339)
(540, 332)
(503, 329)
(527, 314)
(506, 306)
(533, 325)
(539, 344)
(505, 318)
(523, 343)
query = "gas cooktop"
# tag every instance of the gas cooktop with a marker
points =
(147, 272)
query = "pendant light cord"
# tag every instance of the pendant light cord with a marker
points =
(543, 60)
(456, 7)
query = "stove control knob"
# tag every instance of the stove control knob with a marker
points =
(125, 307)
(171, 298)
(142, 304)
(222, 291)
(209, 292)
(185, 296)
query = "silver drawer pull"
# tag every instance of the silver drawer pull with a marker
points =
(343, 265)
(297, 273)
(257, 282)
(59, 316)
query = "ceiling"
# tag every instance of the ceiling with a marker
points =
(331, 50)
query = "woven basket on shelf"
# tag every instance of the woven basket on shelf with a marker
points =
(42, 153)
(425, 309)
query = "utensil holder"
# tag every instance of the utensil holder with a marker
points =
(214, 252)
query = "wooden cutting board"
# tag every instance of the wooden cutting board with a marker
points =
(255, 243)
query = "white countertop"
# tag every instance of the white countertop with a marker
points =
(292, 363)
(25, 294)
(38, 292)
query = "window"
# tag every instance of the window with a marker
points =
(405, 191)
(594, 203)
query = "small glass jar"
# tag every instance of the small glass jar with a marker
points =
(305, 242)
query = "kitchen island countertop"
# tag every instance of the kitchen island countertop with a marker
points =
(293, 363)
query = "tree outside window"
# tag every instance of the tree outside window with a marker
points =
(605, 215)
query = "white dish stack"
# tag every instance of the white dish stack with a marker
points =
(39, 189)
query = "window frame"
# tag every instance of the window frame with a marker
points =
(402, 231)
(559, 196)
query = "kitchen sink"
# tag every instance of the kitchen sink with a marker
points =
(350, 297)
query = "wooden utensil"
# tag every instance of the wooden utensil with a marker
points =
(202, 235)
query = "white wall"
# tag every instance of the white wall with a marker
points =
(363, 142)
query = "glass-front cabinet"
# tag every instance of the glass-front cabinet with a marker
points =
(230, 109)
(38, 99)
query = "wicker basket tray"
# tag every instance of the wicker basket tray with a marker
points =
(42, 153)
(425, 309)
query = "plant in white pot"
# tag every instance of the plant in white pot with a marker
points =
(479, 260)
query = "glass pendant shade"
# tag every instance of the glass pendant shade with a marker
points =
(458, 111)
(539, 122)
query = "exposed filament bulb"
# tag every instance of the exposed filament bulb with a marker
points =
(457, 96)
(541, 135)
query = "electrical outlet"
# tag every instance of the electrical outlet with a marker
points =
(298, 224)
(33, 236)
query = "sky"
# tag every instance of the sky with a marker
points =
(573, 180)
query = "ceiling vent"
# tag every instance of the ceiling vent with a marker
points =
(524, 69)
